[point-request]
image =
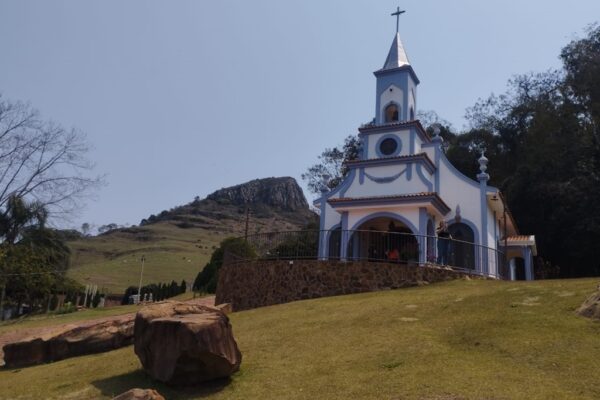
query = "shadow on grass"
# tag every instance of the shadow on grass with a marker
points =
(118, 384)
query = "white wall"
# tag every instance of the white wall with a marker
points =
(400, 186)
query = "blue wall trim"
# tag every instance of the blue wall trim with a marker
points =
(341, 188)
(386, 214)
(425, 181)
(344, 241)
(322, 244)
(421, 158)
(437, 166)
(423, 218)
(386, 179)
(388, 136)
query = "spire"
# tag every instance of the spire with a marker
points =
(397, 56)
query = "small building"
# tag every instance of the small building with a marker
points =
(402, 187)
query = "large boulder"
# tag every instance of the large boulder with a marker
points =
(139, 394)
(591, 306)
(70, 341)
(184, 344)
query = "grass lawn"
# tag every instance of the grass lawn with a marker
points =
(456, 340)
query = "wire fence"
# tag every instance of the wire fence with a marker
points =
(376, 246)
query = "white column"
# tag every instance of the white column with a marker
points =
(513, 269)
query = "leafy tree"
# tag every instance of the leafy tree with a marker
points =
(85, 228)
(33, 258)
(543, 144)
(332, 163)
(206, 280)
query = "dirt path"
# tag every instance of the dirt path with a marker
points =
(20, 334)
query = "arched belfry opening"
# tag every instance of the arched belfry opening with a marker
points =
(392, 113)
(383, 239)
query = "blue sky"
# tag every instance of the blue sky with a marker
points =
(180, 98)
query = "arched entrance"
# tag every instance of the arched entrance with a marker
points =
(383, 239)
(462, 248)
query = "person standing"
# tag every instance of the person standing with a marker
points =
(443, 243)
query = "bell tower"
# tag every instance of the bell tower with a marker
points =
(396, 93)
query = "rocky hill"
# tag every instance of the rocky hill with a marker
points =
(279, 201)
(177, 243)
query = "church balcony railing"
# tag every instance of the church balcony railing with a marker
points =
(371, 246)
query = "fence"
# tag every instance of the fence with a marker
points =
(358, 245)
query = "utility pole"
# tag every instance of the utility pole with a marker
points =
(247, 220)
(141, 275)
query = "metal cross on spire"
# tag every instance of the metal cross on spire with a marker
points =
(397, 15)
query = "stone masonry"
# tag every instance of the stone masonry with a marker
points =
(261, 283)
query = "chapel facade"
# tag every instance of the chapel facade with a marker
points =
(403, 182)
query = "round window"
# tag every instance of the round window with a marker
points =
(388, 146)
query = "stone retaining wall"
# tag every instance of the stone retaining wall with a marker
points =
(266, 282)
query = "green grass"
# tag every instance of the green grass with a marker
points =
(112, 261)
(456, 340)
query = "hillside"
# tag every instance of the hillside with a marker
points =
(459, 340)
(177, 243)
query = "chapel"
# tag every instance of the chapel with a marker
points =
(402, 188)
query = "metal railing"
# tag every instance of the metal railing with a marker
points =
(379, 246)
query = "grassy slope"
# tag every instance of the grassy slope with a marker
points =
(50, 320)
(112, 261)
(457, 340)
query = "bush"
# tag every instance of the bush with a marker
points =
(206, 280)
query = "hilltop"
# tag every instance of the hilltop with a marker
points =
(177, 243)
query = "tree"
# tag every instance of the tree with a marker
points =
(33, 258)
(544, 150)
(206, 280)
(332, 163)
(85, 228)
(41, 160)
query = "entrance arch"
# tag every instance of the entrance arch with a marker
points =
(383, 237)
(462, 248)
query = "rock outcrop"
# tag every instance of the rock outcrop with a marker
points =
(281, 193)
(591, 306)
(139, 394)
(71, 341)
(184, 344)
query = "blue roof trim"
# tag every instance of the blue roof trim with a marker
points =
(381, 72)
